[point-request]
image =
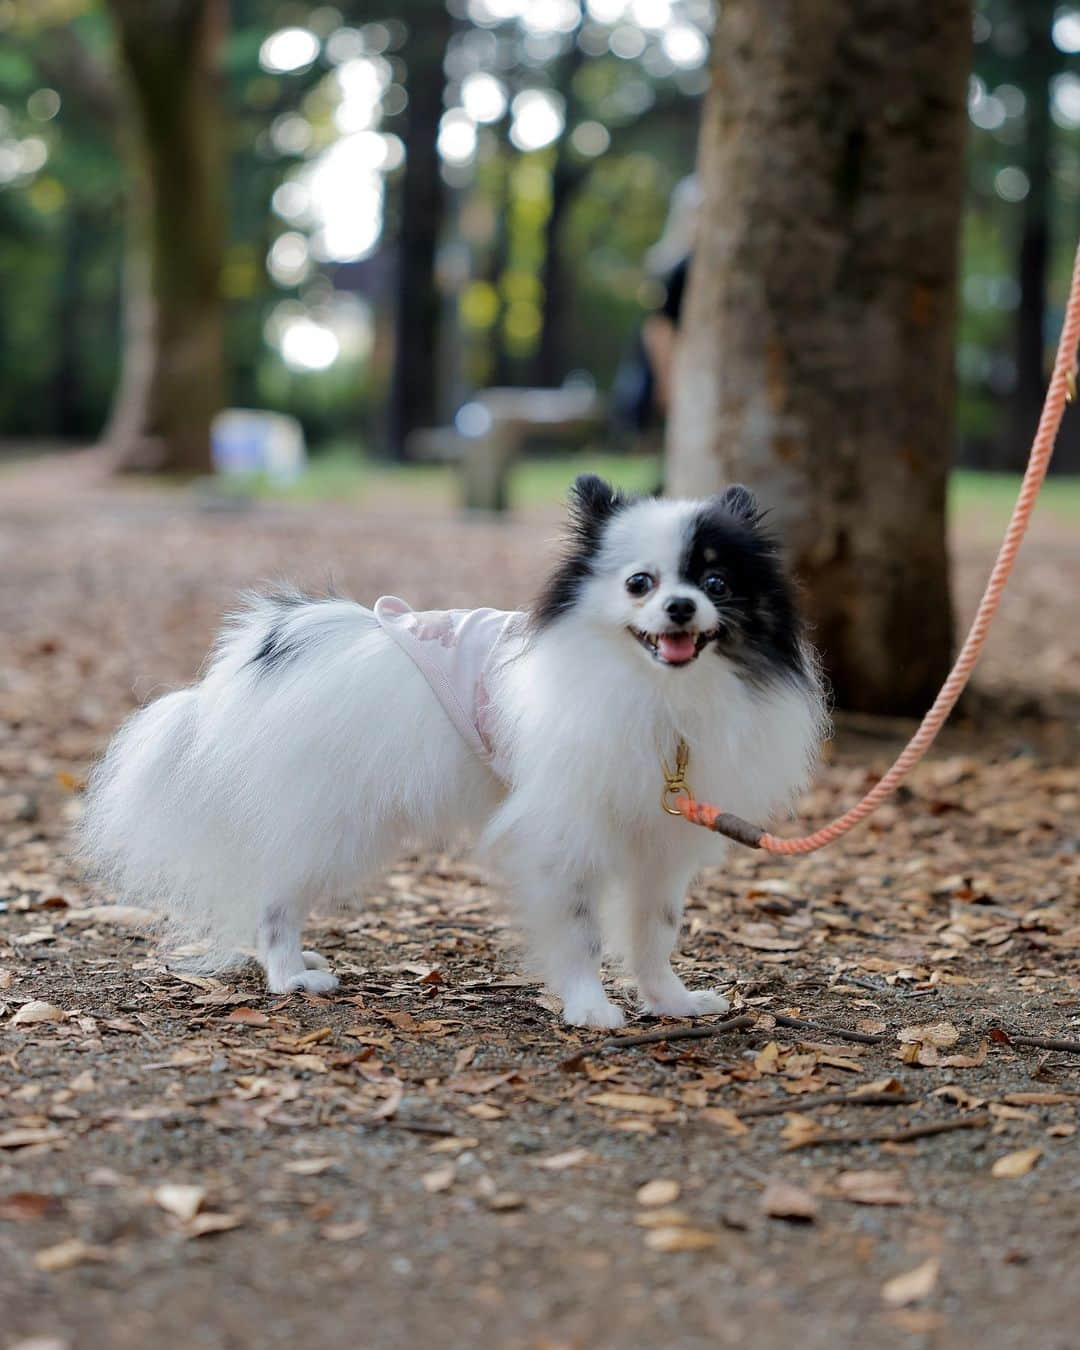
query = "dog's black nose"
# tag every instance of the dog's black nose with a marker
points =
(680, 609)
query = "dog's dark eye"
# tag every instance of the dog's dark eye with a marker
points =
(640, 583)
(714, 585)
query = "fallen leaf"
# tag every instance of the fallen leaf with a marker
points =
(24, 1138)
(441, 1179)
(248, 1017)
(874, 1188)
(659, 1191)
(64, 1255)
(182, 1202)
(799, 1129)
(1017, 1164)
(559, 1162)
(782, 1200)
(504, 1201)
(632, 1101)
(344, 1232)
(679, 1239)
(37, 1011)
(913, 1285)
(23, 1205)
(725, 1118)
(310, 1167)
(206, 1225)
(938, 1034)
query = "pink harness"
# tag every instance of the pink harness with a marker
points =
(455, 650)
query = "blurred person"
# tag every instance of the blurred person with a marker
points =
(642, 391)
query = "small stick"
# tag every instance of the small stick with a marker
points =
(841, 1033)
(700, 1031)
(827, 1099)
(972, 1122)
(1042, 1042)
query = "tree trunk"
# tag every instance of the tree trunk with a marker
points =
(414, 391)
(817, 356)
(173, 369)
(1040, 62)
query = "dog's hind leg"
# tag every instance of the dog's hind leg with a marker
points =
(290, 969)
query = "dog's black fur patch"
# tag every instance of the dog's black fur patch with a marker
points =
(279, 646)
(592, 504)
(760, 628)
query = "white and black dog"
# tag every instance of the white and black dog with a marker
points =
(324, 738)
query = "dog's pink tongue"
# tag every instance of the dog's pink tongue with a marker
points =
(677, 648)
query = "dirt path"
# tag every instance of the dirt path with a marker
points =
(427, 1158)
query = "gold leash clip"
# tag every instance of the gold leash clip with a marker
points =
(675, 784)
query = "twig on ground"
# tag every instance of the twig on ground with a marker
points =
(698, 1032)
(971, 1122)
(841, 1033)
(1039, 1042)
(781, 1108)
(416, 1126)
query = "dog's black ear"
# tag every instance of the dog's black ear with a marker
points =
(592, 500)
(740, 502)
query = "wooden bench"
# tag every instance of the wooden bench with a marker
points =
(493, 430)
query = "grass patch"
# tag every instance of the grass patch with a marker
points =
(342, 475)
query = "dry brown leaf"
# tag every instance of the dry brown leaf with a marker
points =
(310, 1167)
(559, 1162)
(25, 1138)
(725, 1118)
(632, 1101)
(1017, 1164)
(183, 1202)
(23, 1205)
(913, 1285)
(64, 1255)
(874, 1188)
(663, 1218)
(659, 1191)
(938, 1034)
(206, 1225)
(504, 1201)
(679, 1239)
(248, 1017)
(798, 1129)
(440, 1179)
(782, 1200)
(37, 1011)
(344, 1232)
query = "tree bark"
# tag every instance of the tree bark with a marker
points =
(1040, 62)
(414, 391)
(172, 382)
(816, 362)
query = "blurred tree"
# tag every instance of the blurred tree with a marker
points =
(817, 358)
(415, 380)
(173, 379)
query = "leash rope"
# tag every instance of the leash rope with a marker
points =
(1060, 391)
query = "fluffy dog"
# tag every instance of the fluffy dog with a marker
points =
(324, 738)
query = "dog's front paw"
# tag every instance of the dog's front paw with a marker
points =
(597, 1012)
(687, 1003)
(311, 982)
(315, 960)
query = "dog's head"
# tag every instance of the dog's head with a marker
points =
(681, 580)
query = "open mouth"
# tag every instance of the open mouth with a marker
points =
(674, 649)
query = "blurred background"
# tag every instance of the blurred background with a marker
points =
(413, 255)
(417, 201)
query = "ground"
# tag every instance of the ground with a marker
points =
(428, 1157)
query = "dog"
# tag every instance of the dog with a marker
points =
(325, 738)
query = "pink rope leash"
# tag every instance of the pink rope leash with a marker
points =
(1061, 391)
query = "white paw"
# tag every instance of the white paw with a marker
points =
(311, 982)
(315, 961)
(687, 1003)
(592, 1012)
